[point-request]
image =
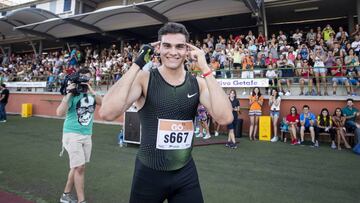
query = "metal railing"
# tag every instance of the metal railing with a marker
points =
(107, 80)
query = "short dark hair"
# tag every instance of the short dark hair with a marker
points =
(349, 99)
(306, 106)
(3, 85)
(84, 71)
(173, 28)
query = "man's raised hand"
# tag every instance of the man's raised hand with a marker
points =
(198, 55)
(146, 51)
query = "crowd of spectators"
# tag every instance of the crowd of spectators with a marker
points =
(108, 63)
(316, 58)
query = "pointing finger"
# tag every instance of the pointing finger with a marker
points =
(153, 44)
(192, 46)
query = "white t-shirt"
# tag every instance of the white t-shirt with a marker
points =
(356, 45)
(274, 106)
(271, 73)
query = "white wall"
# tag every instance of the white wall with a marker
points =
(56, 6)
(116, 3)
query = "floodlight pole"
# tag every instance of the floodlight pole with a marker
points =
(264, 19)
(358, 11)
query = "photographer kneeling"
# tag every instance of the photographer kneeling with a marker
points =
(78, 105)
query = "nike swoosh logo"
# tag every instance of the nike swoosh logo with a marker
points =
(189, 96)
(142, 51)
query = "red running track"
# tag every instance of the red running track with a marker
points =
(11, 198)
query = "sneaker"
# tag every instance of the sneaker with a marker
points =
(281, 93)
(216, 133)
(333, 146)
(67, 198)
(302, 143)
(353, 94)
(207, 136)
(3, 121)
(228, 144)
(301, 94)
(334, 93)
(233, 146)
(314, 144)
(274, 139)
(244, 93)
(197, 131)
(293, 142)
(197, 134)
(287, 93)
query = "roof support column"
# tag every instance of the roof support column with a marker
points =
(81, 6)
(40, 46)
(264, 19)
(358, 10)
(350, 23)
(33, 47)
(122, 45)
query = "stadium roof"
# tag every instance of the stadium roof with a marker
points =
(21, 17)
(119, 17)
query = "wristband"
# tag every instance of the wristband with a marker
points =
(206, 74)
(144, 56)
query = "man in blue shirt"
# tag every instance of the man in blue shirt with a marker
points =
(351, 113)
(308, 124)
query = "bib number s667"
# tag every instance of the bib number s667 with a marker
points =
(174, 134)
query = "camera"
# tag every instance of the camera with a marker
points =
(77, 79)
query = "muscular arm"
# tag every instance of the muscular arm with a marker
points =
(129, 88)
(212, 96)
(119, 97)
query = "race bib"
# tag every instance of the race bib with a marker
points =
(174, 134)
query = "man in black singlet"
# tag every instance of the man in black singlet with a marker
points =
(167, 99)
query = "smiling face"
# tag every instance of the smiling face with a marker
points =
(324, 113)
(338, 112)
(173, 50)
(293, 111)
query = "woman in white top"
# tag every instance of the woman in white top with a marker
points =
(274, 103)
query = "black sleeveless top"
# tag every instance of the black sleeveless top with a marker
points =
(164, 101)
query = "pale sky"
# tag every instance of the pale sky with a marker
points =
(15, 2)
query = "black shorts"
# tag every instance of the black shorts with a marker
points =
(307, 129)
(237, 65)
(153, 186)
(232, 125)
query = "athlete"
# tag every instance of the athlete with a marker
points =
(167, 99)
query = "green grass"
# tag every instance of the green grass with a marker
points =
(255, 172)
